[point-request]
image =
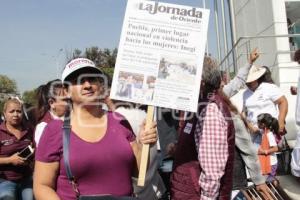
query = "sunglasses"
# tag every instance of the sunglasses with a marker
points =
(16, 98)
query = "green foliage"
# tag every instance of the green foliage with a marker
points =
(94, 54)
(101, 57)
(105, 59)
(77, 53)
(1, 107)
(109, 71)
(109, 57)
(29, 97)
(7, 85)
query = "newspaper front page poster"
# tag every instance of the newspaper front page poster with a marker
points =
(160, 55)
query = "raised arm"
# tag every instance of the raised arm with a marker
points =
(239, 80)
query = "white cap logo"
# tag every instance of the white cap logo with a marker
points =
(77, 64)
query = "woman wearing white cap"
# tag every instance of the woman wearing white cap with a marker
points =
(262, 96)
(97, 152)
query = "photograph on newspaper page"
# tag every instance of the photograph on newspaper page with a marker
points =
(160, 55)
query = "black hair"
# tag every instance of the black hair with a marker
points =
(269, 121)
(50, 90)
(266, 77)
(297, 56)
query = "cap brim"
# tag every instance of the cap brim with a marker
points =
(86, 70)
(255, 76)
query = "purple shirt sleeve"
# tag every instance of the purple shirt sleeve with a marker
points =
(50, 145)
(98, 162)
(127, 130)
(130, 135)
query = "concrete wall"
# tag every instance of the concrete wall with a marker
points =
(268, 17)
(260, 18)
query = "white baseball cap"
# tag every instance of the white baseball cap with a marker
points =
(255, 73)
(78, 64)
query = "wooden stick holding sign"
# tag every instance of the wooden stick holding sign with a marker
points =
(145, 149)
(147, 66)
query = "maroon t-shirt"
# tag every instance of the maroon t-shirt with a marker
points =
(103, 167)
(10, 145)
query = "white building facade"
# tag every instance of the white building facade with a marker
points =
(264, 24)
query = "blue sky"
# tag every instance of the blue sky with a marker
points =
(36, 35)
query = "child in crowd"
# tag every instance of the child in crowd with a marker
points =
(267, 146)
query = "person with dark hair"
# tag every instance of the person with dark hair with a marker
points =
(297, 56)
(206, 138)
(51, 105)
(15, 170)
(267, 77)
(297, 59)
(263, 97)
(291, 30)
(93, 152)
(266, 145)
(167, 125)
(245, 156)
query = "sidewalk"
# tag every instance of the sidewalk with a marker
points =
(290, 185)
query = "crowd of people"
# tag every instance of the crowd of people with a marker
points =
(88, 144)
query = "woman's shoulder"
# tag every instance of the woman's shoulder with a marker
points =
(115, 116)
(118, 120)
(52, 134)
(46, 118)
(266, 85)
(53, 127)
(271, 90)
(50, 144)
(40, 125)
(55, 123)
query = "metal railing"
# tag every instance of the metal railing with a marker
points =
(243, 46)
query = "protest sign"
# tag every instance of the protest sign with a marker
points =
(160, 55)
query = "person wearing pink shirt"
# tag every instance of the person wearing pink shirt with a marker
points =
(103, 151)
